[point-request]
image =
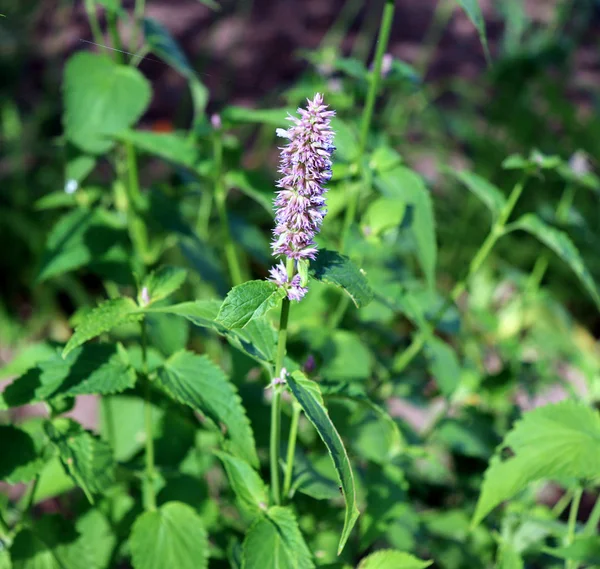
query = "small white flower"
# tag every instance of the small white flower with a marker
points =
(145, 296)
(71, 186)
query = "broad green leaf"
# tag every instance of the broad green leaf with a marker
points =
(97, 369)
(274, 541)
(550, 442)
(443, 365)
(22, 455)
(162, 283)
(392, 559)
(562, 245)
(248, 301)
(307, 480)
(332, 268)
(51, 543)
(383, 214)
(102, 319)
(170, 146)
(102, 98)
(273, 117)
(85, 238)
(97, 532)
(27, 358)
(254, 185)
(402, 183)
(171, 536)
(346, 140)
(345, 357)
(247, 484)
(197, 382)
(489, 194)
(86, 458)
(473, 11)
(309, 396)
(584, 550)
(79, 167)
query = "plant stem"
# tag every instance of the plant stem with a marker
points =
(4, 528)
(570, 564)
(92, 16)
(138, 15)
(484, 250)
(542, 262)
(367, 116)
(275, 439)
(233, 264)
(149, 493)
(291, 450)
(113, 30)
(592, 523)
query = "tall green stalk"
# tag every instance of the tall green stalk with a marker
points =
(138, 15)
(233, 263)
(275, 438)
(291, 450)
(571, 524)
(92, 16)
(149, 492)
(484, 250)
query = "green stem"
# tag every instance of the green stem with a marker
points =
(275, 439)
(4, 528)
(594, 519)
(149, 493)
(31, 496)
(113, 31)
(291, 450)
(92, 16)
(138, 15)
(233, 264)
(132, 174)
(496, 232)
(570, 564)
(367, 116)
(562, 504)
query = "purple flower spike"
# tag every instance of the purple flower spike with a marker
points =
(305, 167)
(300, 204)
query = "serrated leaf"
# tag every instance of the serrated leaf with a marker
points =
(332, 268)
(309, 397)
(102, 319)
(392, 559)
(562, 245)
(404, 184)
(489, 194)
(274, 541)
(162, 283)
(51, 543)
(170, 146)
(197, 382)
(248, 301)
(550, 442)
(171, 536)
(473, 11)
(84, 238)
(22, 457)
(248, 486)
(102, 98)
(97, 369)
(86, 458)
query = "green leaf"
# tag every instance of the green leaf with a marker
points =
(473, 11)
(274, 541)
(584, 550)
(254, 185)
(562, 245)
(248, 486)
(98, 369)
(197, 382)
(443, 364)
(550, 442)
(172, 536)
(307, 480)
(102, 98)
(102, 319)
(489, 194)
(346, 140)
(248, 301)
(86, 458)
(22, 455)
(162, 283)
(26, 358)
(383, 214)
(404, 184)
(273, 117)
(332, 268)
(85, 238)
(307, 393)
(392, 559)
(51, 543)
(170, 146)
